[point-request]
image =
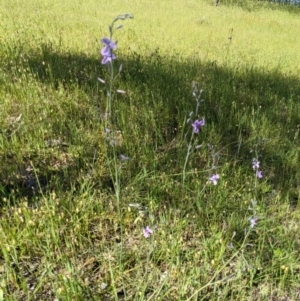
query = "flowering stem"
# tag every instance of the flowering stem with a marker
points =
(109, 93)
(108, 57)
(187, 158)
(192, 136)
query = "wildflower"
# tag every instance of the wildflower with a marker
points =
(197, 125)
(253, 222)
(255, 164)
(107, 51)
(109, 45)
(259, 174)
(147, 232)
(214, 179)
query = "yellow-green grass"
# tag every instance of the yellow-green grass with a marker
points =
(65, 232)
(263, 37)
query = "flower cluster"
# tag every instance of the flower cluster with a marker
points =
(197, 125)
(214, 179)
(107, 51)
(255, 166)
(259, 174)
(253, 222)
(147, 232)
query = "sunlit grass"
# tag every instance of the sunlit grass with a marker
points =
(60, 227)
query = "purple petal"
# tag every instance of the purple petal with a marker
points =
(255, 164)
(202, 122)
(105, 60)
(253, 222)
(106, 41)
(105, 51)
(214, 179)
(195, 129)
(147, 231)
(259, 174)
(113, 45)
(108, 58)
(109, 43)
(197, 125)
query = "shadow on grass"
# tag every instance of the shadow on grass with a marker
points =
(242, 106)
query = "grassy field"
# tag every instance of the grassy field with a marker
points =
(79, 187)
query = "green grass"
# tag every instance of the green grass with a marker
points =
(66, 234)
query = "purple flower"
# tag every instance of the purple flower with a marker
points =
(214, 179)
(255, 164)
(108, 46)
(107, 50)
(108, 58)
(259, 174)
(147, 232)
(253, 222)
(197, 125)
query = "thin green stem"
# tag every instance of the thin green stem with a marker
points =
(110, 89)
(186, 159)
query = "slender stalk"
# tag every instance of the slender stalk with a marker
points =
(192, 136)
(113, 162)
(110, 89)
(187, 159)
